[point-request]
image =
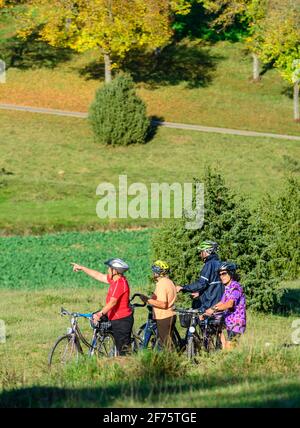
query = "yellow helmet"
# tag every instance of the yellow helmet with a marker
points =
(160, 267)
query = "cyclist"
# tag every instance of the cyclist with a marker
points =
(233, 303)
(208, 289)
(162, 301)
(117, 307)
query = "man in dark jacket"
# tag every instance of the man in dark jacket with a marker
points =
(208, 289)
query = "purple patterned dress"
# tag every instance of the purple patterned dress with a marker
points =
(235, 318)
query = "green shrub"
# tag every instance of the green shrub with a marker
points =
(280, 220)
(228, 221)
(118, 115)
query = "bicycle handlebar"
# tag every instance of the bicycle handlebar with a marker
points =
(75, 314)
(195, 311)
(188, 311)
(137, 305)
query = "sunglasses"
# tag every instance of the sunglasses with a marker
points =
(223, 273)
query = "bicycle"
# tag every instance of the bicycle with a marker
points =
(70, 344)
(148, 334)
(211, 328)
(136, 339)
(204, 334)
(189, 319)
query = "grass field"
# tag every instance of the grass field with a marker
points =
(56, 168)
(193, 82)
(50, 168)
(260, 372)
(36, 280)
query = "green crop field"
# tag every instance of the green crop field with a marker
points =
(37, 262)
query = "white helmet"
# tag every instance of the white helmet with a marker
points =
(118, 264)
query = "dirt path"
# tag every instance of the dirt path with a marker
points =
(188, 127)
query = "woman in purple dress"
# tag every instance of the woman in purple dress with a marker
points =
(233, 303)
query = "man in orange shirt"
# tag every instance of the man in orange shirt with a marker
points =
(163, 300)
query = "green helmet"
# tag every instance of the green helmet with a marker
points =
(208, 246)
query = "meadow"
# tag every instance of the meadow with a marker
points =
(195, 82)
(53, 167)
(50, 168)
(263, 371)
(36, 280)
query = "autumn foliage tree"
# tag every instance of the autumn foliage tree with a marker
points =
(251, 12)
(112, 26)
(281, 43)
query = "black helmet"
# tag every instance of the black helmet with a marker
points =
(230, 267)
(118, 264)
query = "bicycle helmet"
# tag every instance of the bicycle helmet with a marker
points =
(209, 246)
(118, 264)
(160, 267)
(229, 267)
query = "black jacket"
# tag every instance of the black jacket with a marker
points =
(208, 285)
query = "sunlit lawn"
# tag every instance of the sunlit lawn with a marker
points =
(56, 167)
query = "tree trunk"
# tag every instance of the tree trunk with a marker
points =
(256, 68)
(296, 102)
(107, 63)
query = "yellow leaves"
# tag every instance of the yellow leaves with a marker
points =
(281, 42)
(180, 7)
(116, 26)
(227, 11)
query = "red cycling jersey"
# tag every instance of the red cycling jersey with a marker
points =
(119, 290)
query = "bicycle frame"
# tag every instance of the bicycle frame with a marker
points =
(191, 329)
(75, 331)
(150, 328)
(205, 326)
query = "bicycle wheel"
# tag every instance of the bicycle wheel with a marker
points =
(190, 348)
(219, 345)
(106, 346)
(212, 342)
(65, 350)
(178, 342)
(136, 342)
(147, 338)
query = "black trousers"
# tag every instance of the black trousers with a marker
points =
(165, 329)
(121, 330)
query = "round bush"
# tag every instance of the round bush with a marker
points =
(118, 115)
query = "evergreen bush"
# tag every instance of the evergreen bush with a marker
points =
(118, 115)
(240, 236)
(280, 221)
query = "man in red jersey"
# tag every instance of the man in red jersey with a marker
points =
(117, 307)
